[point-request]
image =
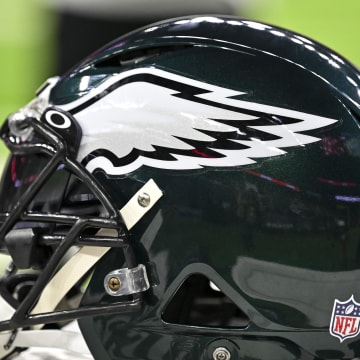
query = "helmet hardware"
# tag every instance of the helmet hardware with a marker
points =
(144, 199)
(114, 283)
(24, 248)
(127, 281)
(221, 353)
(18, 124)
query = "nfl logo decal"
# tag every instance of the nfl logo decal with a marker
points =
(345, 319)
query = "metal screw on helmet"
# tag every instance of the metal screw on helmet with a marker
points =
(144, 199)
(221, 353)
(114, 284)
(18, 123)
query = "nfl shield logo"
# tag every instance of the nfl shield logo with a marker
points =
(345, 319)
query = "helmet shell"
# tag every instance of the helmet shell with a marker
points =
(278, 236)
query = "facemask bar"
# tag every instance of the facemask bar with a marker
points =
(56, 148)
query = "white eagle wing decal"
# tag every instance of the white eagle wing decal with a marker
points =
(142, 117)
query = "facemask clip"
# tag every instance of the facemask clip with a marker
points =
(126, 281)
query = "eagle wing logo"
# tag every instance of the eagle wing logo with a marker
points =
(152, 117)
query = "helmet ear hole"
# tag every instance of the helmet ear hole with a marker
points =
(199, 302)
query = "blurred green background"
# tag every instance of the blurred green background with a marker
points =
(28, 32)
(26, 53)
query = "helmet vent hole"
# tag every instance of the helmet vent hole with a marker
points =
(199, 302)
(136, 56)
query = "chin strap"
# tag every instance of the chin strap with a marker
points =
(66, 277)
(65, 339)
(54, 292)
(68, 338)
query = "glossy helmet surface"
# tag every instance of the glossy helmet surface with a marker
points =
(208, 168)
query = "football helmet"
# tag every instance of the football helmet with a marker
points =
(188, 191)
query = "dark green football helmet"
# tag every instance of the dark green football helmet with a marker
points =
(189, 191)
